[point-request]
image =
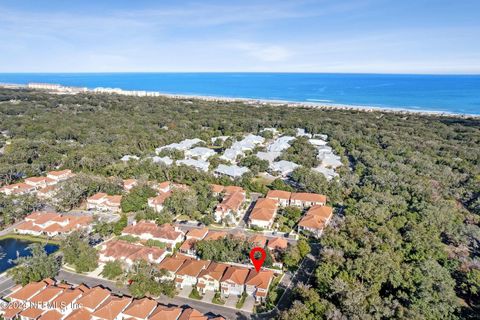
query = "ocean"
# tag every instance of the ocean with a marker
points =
(459, 94)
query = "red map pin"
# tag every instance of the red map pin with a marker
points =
(258, 262)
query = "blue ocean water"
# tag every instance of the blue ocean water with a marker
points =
(444, 93)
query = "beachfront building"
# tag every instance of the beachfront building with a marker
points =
(315, 220)
(263, 213)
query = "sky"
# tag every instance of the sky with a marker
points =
(357, 36)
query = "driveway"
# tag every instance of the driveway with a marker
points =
(185, 291)
(231, 301)
(208, 296)
(249, 304)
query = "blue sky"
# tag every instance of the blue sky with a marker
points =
(373, 36)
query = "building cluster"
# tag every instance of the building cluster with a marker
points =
(197, 157)
(146, 230)
(52, 224)
(211, 276)
(164, 190)
(51, 300)
(42, 186)
(265, 210)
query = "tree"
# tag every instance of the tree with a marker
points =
(120, 225)
(144, 281)
(303, 247)
(228, 249)
(292, 257)
(137, 198)
(112, 270)
(78, 253)
(255, 164)
(38, 266)
(279, 184)
(302, 152)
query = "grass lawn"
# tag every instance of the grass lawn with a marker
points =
(27, 237)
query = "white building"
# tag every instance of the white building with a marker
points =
(231, 171)
(197, 164)
(283, 167)
(200, 153)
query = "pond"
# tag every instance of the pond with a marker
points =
(11, 248)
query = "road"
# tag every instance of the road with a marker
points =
(289, 282)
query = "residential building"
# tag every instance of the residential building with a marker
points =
(139, 309)
(316, 218)
(40, 182)
(232, 171)
(305, 200)
(233, 281)
(231, 207)
(283, 167)
(166, 313)
(188, 273)
(209, 279)
(283, 197)
(112, 308)
(61, 175)
(200, 153)
(129, 184)
(171, 264)
(52, 224)
(215, 235)
(197, 234)
(147, 230)
(258, 240)
(257, 284)
(17, 189)
(201, 165)
(103, 202)
(118, 250)
(156, 203)
(277, 244)
(263, 213)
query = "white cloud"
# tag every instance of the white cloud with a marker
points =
(264, 52)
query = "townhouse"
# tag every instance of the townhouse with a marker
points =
(283, 197)
(52, 224)
(263, 213)
(32, 184)
(231, 206)
(128, 253)
(316, 218)
(147, 230)
(233, 281)
(103, 202)
(298, 199)
(17, 189)
(257, 284)
(192, 236)
(305, 200)
(209, 278)
(61, 175)
(170, 266)
(188, 273)
(43, 300)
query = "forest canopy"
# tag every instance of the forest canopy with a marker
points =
(404, 242)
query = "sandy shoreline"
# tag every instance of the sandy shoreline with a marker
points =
(250, 101)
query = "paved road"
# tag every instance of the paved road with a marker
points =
(289, 282)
